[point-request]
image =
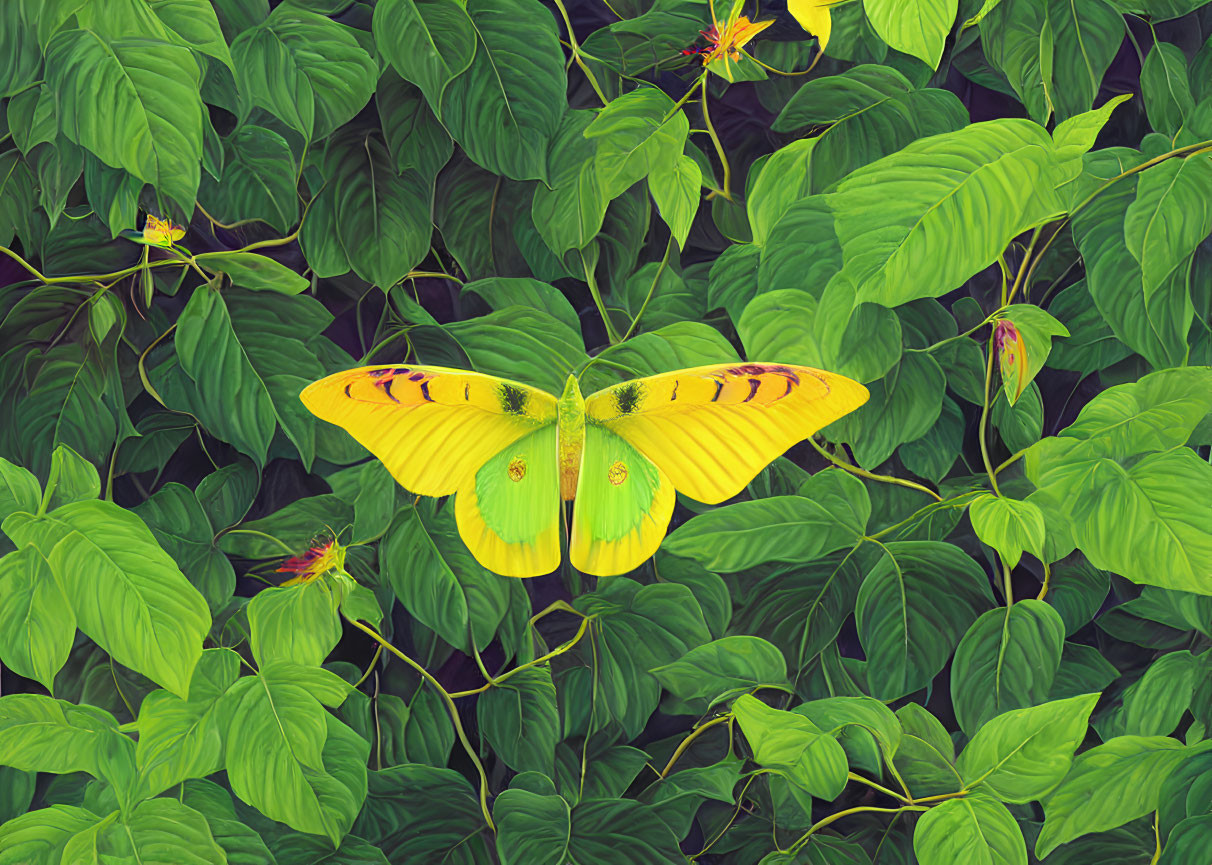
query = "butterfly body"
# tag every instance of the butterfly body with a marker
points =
(511, 453)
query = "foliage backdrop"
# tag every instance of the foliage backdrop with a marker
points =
(968, 623)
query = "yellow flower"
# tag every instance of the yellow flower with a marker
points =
(316, 562)
(729, 41)
(161, 232)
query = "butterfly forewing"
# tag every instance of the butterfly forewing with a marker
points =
(432, 427)
(711, 429)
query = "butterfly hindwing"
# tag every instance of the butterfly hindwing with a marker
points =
(432, 427)
(711, 429)
(623, 506)
(508, 513)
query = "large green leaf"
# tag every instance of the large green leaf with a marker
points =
(912, 608)
(738, 536)
(152, 126)
(903, 406)
(382, 218)
(504, 110)
(1154, 704)
(1010, 526)
(296, 623)
(127, 594)
(1053, 52)
(429, 43)
(1007, 660)
(37, 624)
(520, 720)
(1021, 755)
(541, 829)
(1153, 323)
(39, 734)
(258, 180)
(40, 836)
(518, 342)
(1109, 785)
(917, 27)
(739, 662)
(437, 579)
(430, 814)
(793, 746)
(182, 528)
(919, 222)
(973, 829)
(1165, 87)
(305, 69)
(1169, 217)
(288, 757)
(182, 738)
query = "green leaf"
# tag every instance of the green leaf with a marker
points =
(1165, 88)
(537, 829)
(1109, 785)
(305, 69)
(195, 24)
(429, 43)
(779, 529)
(926, 756)
(1154, 704)
(1147, 522)
(183, 738)
(181, 527)
(127, 594)
(912, 608)
(37, 625)
(1076, 135)
(638, 629)
(1154, 323)
(524, 344)
(825, 332)
(1054, 53)
(973, 829)
(425, 813)
(72, 479)
(504, 110)
(372, 202)
(793, 746)
(154, 826)
(1010, 526)
(414, 136)
(289, 758)
(19, 490)
(1021, 755)
(20, 58)
(1006, 661)
(636, 135)
(1169, 217)
(905, 222)
(713, 670)
(254, 272)
(903, 406)
(918, 27)
(40, 836)
(676, 188)
(520, 720)
(296, 525)
(39, 734)
(153, 125)
(438, 581)
(258, 181)
(294, 623)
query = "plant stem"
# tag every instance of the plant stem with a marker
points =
(576, 54)
(715, 140)
(984, 422)
(874, 786)
(694, 734)
(863, 473)
(1043, 592)
(611, 334)
(450, 706)
(833, 818)
(558, 650)
(651, 289)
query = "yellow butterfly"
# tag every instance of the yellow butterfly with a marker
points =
(511, 452)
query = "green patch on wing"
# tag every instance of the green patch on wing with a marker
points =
(518, 487)
(616, 486)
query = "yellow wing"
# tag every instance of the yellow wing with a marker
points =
(432, 427)
(711, 429)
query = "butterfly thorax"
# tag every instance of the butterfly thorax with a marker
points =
(571, 437)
